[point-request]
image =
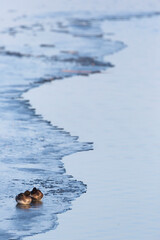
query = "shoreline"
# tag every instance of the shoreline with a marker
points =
(119, 172)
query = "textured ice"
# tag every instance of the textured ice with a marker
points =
(33, 51)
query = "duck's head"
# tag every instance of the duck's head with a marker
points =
(27, 193)
(34, 190)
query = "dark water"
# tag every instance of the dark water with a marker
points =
(33, 51)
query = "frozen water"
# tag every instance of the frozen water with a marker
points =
(32, 52)
(36, 49)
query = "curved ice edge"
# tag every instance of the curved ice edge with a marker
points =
(77, 192)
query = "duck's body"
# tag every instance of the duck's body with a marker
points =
(23, 198)
(36, 194)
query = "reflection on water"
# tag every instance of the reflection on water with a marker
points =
(22, 206)
(35, 204)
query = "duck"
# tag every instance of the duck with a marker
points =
(36, 194)
(24, 198)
